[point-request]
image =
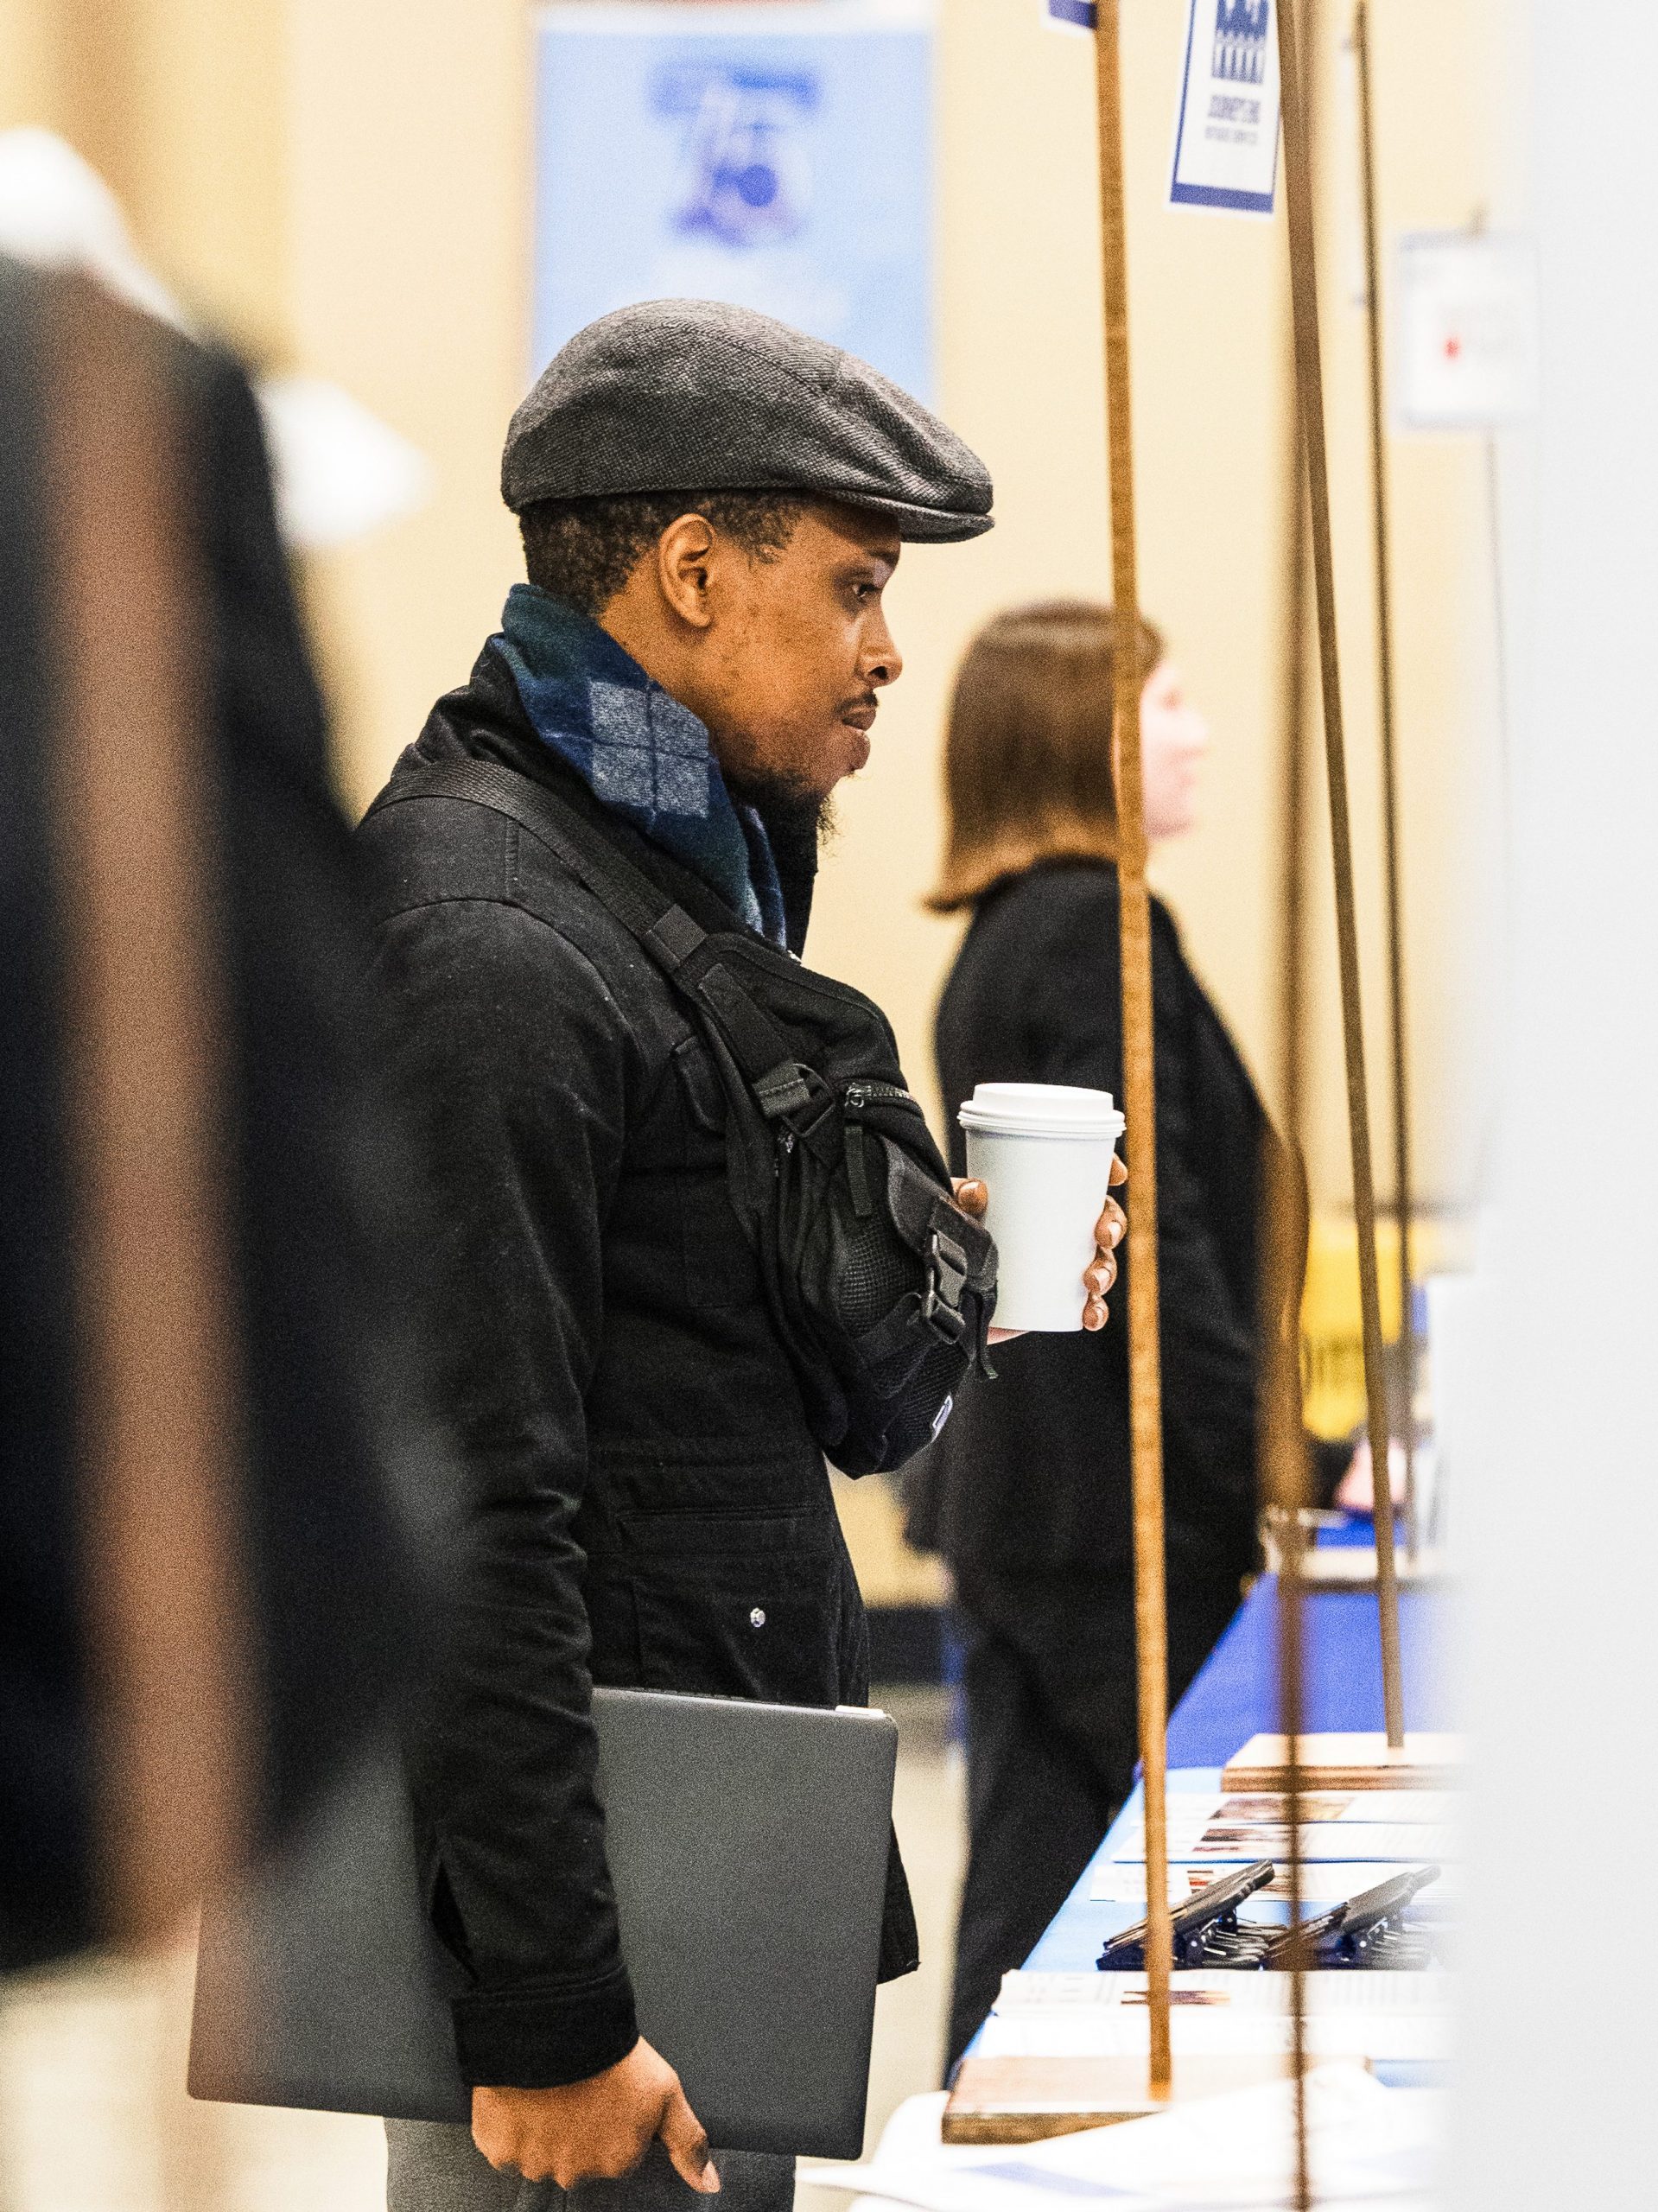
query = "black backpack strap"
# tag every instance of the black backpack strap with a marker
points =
(678, 945)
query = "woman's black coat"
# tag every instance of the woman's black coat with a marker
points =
(1032, 1476)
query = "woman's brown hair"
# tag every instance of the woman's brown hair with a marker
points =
(1028, 754)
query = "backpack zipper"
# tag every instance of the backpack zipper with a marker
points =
(855, 1099)
(865, 1093)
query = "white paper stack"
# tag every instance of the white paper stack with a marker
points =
(1367, 2147)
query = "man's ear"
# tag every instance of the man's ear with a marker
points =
(685, 556)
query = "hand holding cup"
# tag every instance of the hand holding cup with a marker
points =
(1040, 1157)
(1098, 1276)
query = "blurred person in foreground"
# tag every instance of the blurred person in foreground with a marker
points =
(208, 1567)
(1027, 1492)
(712, 505)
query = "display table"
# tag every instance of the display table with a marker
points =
(1235, 1696)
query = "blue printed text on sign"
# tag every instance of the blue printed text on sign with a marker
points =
(1226, 140)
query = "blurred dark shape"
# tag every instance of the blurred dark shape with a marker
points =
(211, 1568)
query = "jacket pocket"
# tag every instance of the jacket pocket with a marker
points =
(738, 1605)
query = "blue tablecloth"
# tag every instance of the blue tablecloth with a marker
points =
(1236, 1697)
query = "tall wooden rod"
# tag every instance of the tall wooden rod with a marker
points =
(1145, 1370)
(1293, 903)
(1284, 1488)
(1393, 874)
(1309, 374)
(1290, 1704)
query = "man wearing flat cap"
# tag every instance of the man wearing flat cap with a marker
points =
(712, 505)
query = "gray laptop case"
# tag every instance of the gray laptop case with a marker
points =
(748, 1848)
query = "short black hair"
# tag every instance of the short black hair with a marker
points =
(583, 552)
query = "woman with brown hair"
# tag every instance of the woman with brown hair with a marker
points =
(1027, 1492)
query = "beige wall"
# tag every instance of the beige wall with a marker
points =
(181, 104)
(346, 185)
(410, 195)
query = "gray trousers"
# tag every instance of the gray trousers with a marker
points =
(435, 2167)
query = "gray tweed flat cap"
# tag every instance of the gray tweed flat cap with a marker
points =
(693, 395)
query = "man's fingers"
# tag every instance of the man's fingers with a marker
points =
(972, 1197)
(1119, 1171)
(496, 2151)
(1111, 1227)
(687, 2144)
(1100, 1277)
(1096, 1313)
(493, 2140)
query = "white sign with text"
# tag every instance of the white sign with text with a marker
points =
(1226, 131)
(1464, 330)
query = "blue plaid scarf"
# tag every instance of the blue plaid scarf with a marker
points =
(639, 751)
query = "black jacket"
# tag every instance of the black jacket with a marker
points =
(1032, 1473)
(646, 1503)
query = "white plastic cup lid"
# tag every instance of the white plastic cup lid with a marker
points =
(1042, 1110)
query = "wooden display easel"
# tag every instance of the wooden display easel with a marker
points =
(1006, 2100)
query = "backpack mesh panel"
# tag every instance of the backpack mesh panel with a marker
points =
(877, 1271)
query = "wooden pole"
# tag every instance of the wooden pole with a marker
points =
(1292, 902)
(1284, 1483)
(1309, 373)
(1403, 1184)
(1144, 1373)
(1290, 1704)
(1285, 1487)
(1292, 915)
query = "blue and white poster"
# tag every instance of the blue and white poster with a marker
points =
(1226, 137)
(777, 157)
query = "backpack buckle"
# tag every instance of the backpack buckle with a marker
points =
(947, 1275)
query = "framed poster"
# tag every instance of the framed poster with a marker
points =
(1226, 130)
(777, 157)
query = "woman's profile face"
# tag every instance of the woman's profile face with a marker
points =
(1173, 739)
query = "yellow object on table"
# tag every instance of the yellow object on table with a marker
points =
(1332, 1347)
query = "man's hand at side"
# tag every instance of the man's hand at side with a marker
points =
(596, 2130)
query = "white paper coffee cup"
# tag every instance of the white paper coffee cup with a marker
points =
(1043, 1151)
